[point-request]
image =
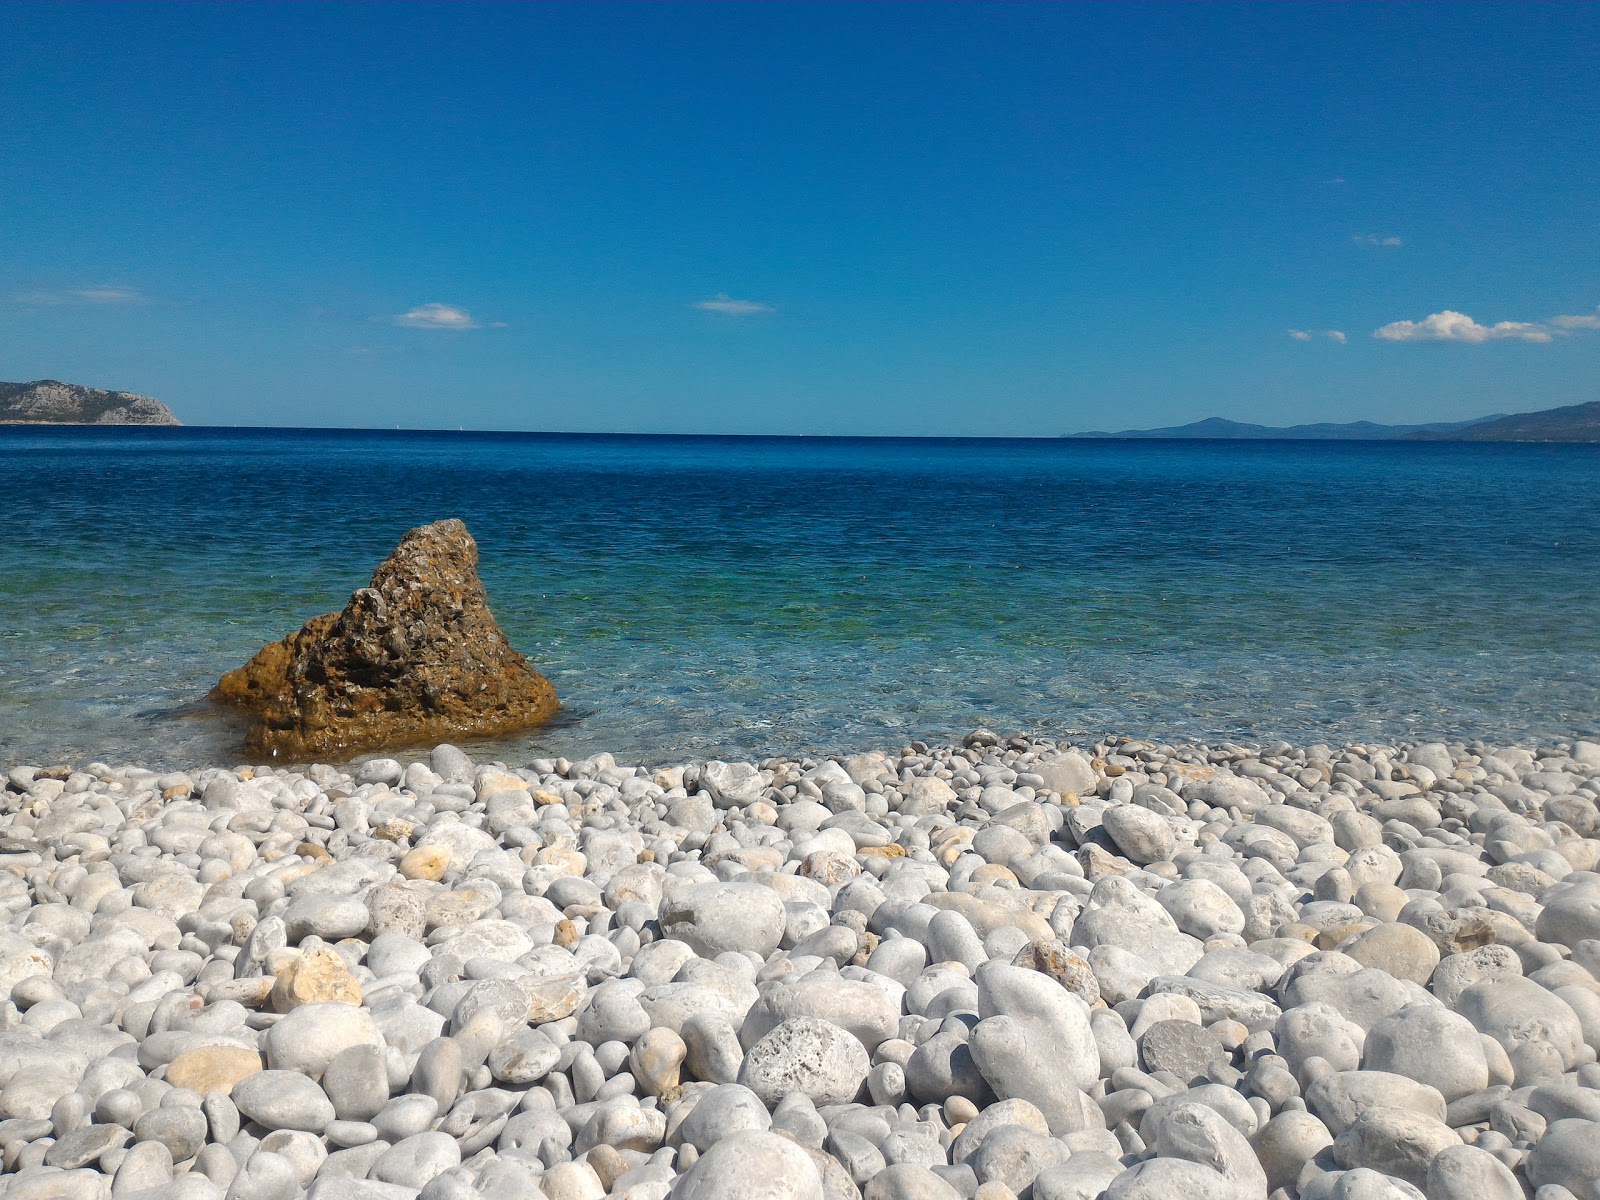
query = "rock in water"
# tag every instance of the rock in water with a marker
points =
(415, 656)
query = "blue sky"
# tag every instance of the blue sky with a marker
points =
(743, 218)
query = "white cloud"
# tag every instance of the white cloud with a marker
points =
(1300, 335)
(105, 293)
(729, 307)
(1337, 335)
(1376, 239)
(1580, 321)
(1305, 335)
(1452, 326)
(437, 316)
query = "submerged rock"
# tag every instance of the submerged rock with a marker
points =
(415, 656)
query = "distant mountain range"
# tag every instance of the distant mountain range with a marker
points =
(51, 402)
(1574, 423)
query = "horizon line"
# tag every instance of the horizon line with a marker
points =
(1132, 436)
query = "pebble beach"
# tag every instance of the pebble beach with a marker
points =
(1004, 968)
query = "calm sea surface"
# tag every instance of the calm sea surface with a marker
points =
(739, 597)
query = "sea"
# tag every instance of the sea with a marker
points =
(707, 597)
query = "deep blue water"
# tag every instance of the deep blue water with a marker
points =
(709, 596)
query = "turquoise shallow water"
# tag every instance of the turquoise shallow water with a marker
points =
(706, 596)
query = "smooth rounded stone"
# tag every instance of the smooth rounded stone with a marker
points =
(312, 1036)
(1226, 791)
(266, 1176)
(405, 1116)
(1118, 974)
(1559, 1101)
(613, 1014)
(1238, 968)
(1142, 835)
(1286, 1143)
(439, 1071)
(1113, 1042)
(1015, 1156)
(1318, 1030)
(1054, 1021)
(1363, 1183)
(1084, 1176)
(416, 1160)
(1394, 1141)
(283, 1100)
(724, 1110)
(909, 1181)
(222, 1116)
(1570, 912)
(942, 1067)
(1159, 1006)
(84, 1146)
(1181, 1047)
(357, 1082)
(1468, 1173)
(524, 1058)
(1165, 1178)
(1431, 1045)
(347, 1134)
(1399, 950)
(951, 938)
(182, 1130)
(1068, 773)
(213, 1068)
(1568, 1155)
(1200, 908)
(716, 917)
(305, 1152)
(1002, 1113)
(1380, 901)
(1118, 914)
(1363, 995)
(1340, 1098)
(1200, 1155)
(337, 1188)
(810, 1056)
(1219, 1003)
(118, 1106)
(1306, 828)
(660, 961)
(1015, 1065)
(712, 1050)
(656, 1060)
(1539, 1031)
(1203, 1135)
(328, 917)
(751, 1165)
(146, 1165)
(32, 1092)
(1225, 1101)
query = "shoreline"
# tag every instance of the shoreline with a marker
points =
(953, 972)
(1109, 748)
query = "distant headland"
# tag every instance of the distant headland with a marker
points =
(1572, 423)
(51, 402)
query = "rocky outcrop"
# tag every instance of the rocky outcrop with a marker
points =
(414, 657)
(51, 402)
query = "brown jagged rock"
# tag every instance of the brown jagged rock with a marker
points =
(416, 656)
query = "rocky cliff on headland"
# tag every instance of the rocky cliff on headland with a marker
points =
(414, 657)
(51, 402)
